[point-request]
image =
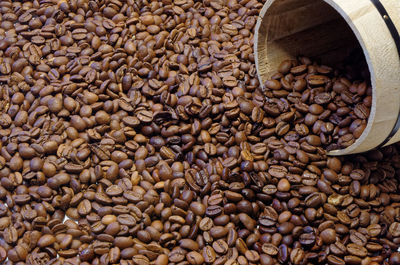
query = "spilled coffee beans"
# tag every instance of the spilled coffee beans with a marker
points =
(144, 123)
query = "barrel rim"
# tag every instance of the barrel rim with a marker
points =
(361, 38)
(360, 145)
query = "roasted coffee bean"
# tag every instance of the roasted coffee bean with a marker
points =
(358, 238)
(297, 256)
(46, 240)
(220, 246)
(334, 260)
(328, 236)
(252, 256)
(189, 244)
(394, 229)
(337, 248)
(374, 230)
(193, 257)
(307, 239)
(206, 224)
(356, 250)
(209, 254)
(270, 249)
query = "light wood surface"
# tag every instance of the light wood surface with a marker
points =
(328, 30)
(393, 8)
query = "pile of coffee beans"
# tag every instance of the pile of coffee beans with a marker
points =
(315, 103)
(136, 132)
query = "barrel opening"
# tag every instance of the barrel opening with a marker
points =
(303, 27)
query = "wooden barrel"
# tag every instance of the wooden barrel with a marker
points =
(326, 29)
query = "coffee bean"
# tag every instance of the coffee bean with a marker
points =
(328, 236)
(285, 67)
(307, 239)
(394, 229)
(269, 217)
(374, 230)
(283, 185)
(252, 255)
(194, 258)
(46, 240)
(338, 248)
(140, 259)
(322, 98)
(270, 249)
(277, 171)
(358, 238)
(334, 260)
(282, 128)
(356, 250)
(145, 116)
(374, 247)
(241, 245)
(361, 111)
(220, 246)
(206, 224)
(10, 235)
(209, 254)
(247, 221)
(198, 208)
(299, 69)
(177, 255)
(218, 232)
(297, 256)
(314, 199)
(273, 84)
(189, 244)
(161, 260)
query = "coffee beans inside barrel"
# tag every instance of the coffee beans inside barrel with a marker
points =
(324, 107)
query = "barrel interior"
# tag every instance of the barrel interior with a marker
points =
(302, 27)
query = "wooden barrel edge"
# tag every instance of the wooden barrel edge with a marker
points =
(260, 38)
(379, 126)
(381, 54)
(391, 9)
